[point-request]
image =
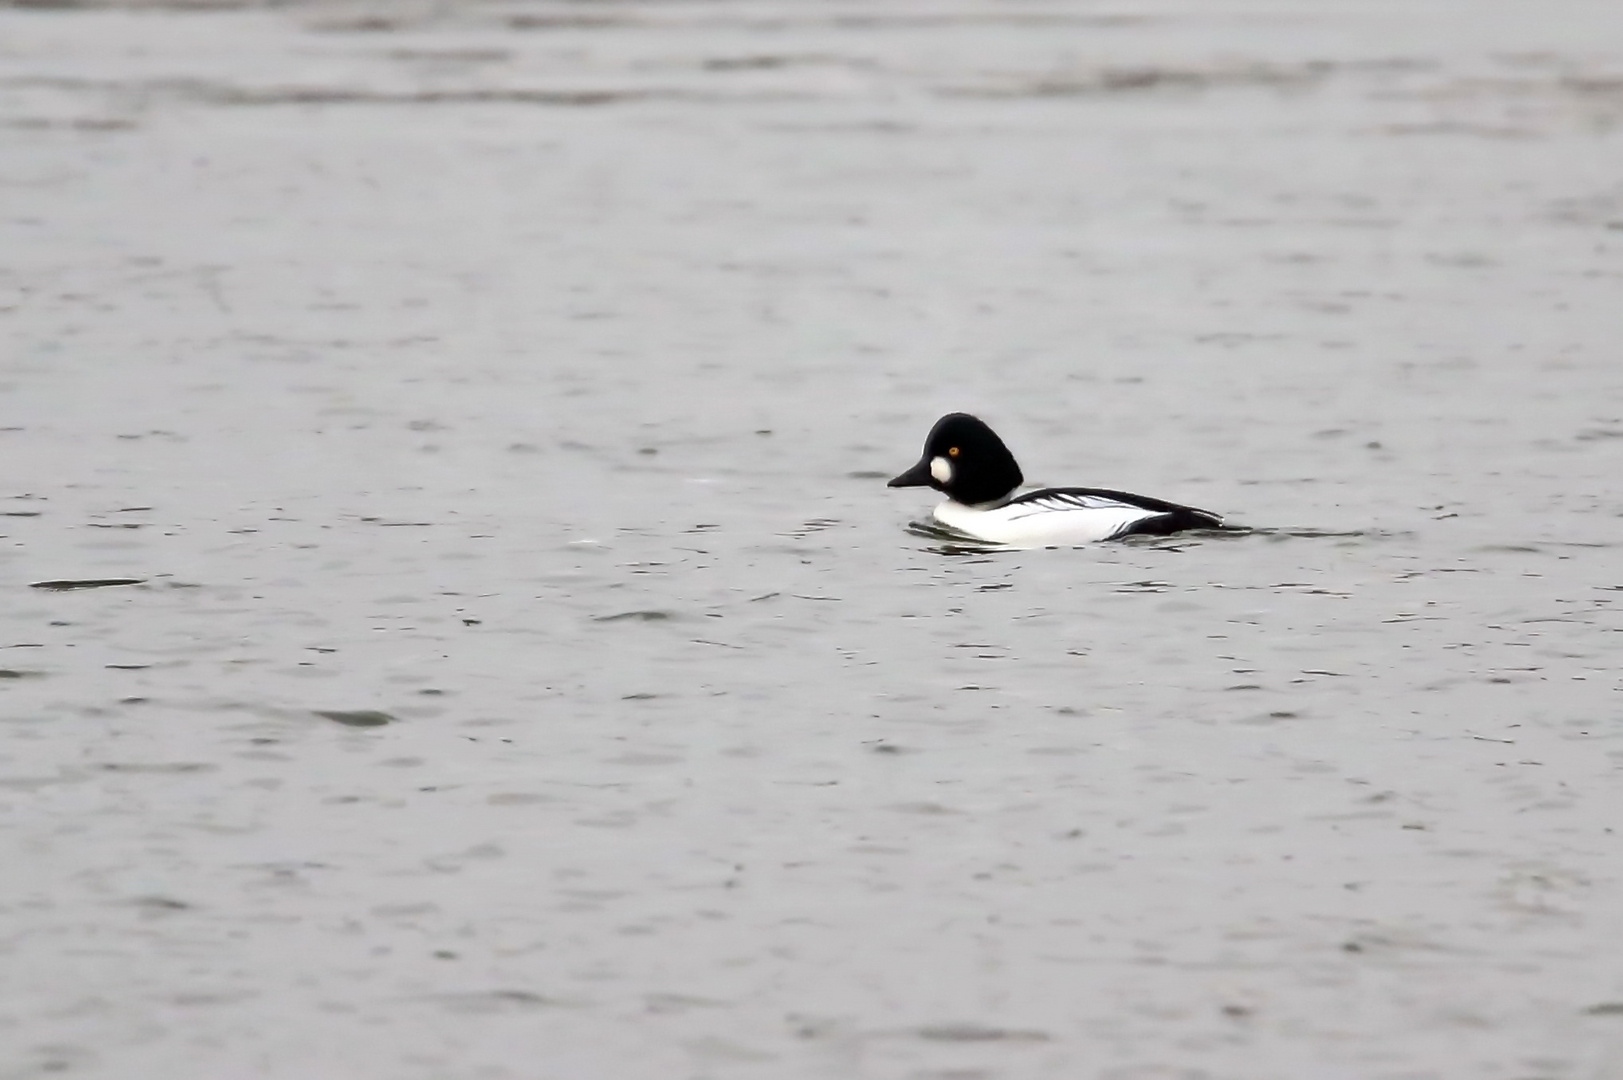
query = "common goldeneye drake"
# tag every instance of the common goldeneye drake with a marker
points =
(968, 462)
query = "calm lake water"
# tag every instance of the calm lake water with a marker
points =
(530, 675)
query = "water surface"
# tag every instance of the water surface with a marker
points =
(527, 673)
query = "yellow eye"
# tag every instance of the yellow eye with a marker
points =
(952, 451)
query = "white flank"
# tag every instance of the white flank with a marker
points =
(1044, 522)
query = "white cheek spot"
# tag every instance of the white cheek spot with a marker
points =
(941, 469)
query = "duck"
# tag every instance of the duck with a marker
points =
(966, 460)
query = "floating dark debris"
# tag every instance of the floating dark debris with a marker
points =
(356, 717)
(67, 584)
(639, 616)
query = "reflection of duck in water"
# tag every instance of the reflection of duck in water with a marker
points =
(964, 459)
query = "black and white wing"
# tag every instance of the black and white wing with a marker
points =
(1137, 513)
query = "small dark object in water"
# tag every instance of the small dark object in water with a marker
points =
(66, 584)
(639, 616)
(356, 717)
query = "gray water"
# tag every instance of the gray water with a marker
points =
(530, 675)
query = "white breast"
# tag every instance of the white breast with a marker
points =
(1052, 519)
